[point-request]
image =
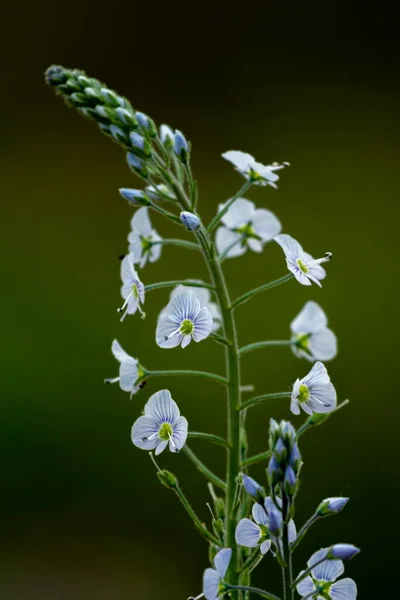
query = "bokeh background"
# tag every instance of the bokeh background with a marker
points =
(82, 513)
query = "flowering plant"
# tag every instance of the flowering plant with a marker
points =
(248, 520)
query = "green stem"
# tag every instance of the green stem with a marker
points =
(203, 469)
(304, 530)
(189, 282)
(252, 590)
(185, 373)
(209, 437)
(262, 288)
(173, 242)
(227, 206)
(197, 523)
(220, 339)
(263, 398)
(287, 567)
(252, 561)
(307, 572)
(257, 458)
(264, 344)
(169, 215)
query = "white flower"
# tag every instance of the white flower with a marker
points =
(303, 266)
(161, 425)
(314, 393)
(245, 227)
(142, 237)
(313, 339)
(255, 171)
(129, 370)
(183, 319)
(204, 297)
(212, 578)
(132, 289)
(323, 580)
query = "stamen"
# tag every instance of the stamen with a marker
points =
(173, 334)
(148, 439)
(111, 380)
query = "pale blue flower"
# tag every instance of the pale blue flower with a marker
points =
(213, 578)
(314, 393)
(161, 425)
(331, 506)
(183, 319)
(129, 370)
(132, 290)
(250, 169)
(245, 226)
(323, 579)
(303, 266)
(204, 297)
(263, 530)
(190, 221)
(313, 339)
(142, 239)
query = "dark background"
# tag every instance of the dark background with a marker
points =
(82, 513)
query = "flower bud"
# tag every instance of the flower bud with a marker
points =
(137, 197)
(140, 145)
(118, 134)
(290, 482)
(342, 551)
(181, 147)
(331, 506)
(253, 488)
(280, 451)
(295, 459)
(190, 221)
(273, 433)
(126, 117)
(167, 136)
(167, 478)
(93, 94)
(110, 98)
(288, 432)
(218, 527)
(275, 520)
(136, 164)
(142, 119)
(273, 471)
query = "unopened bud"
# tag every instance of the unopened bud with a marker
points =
(190, 221)
(273, 471)
(126, 117)
(181, 147)
(167, 136)
(342, 551)
(331, 506)
(136, 164)
(167, 478)
(110, 98)
(118, 134)
(253, 488)
(290, 482)
(137, 197)
(280, 451)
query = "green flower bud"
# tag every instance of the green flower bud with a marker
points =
(167, 478)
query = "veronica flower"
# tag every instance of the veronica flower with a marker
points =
(260, 532)
(142, 237)
(161, 425)
(183, 319)
(247, 166)
(129, 370)
(204, 297)
(213, 578)
(323, 580)
(132, 289)
(314, 393)
(313, 340)
(303, 266)
(245, 227)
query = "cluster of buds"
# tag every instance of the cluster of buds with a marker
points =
(285, 463)
(134, 130)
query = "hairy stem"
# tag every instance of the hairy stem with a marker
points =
(189, 282)
(257, 458)
(197, 523)
(209, 437)
(253, 590)
(262, 288)
(264, 344)
(203, 469)
(263, 398)
(176, 242)
(185, 373)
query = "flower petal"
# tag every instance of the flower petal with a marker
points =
(222, 560)
(248, 534)
(155, 251)
(292, 531)
(266, 224)
(344, 589)
(317, 376)
(162, 444)
(128, 271)
(179, 434)
(255, 245)
(144, 428)
(291, 247)
(128, 374)
(211, 581)
(140, 222)
(184, 306)
(310, 319)
(265, 546)
(328, 570)
(203, 325)
(186, 339)
(166, 326)
(241, 160)
(162, 408)
(225, 238)
(323, 398)
(119, 352)
(323, 345)
(241, 212)
(259, 514)
(306, 586)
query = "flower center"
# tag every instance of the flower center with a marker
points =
(302, 266)
(165, 432)
(146, 244)
(186, 327)
(247, 231)
(304, 393)
(323, 587)
(135, 292)
(303, 341)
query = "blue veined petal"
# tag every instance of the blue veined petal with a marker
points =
(323, 345)
(186, 339)
(241, 160)
(119, 352)
(240, 213)
(248, 534)
(162, 408)
(184, 306)
(317, 376)
(167, 326)
(225, 238)
(328, 570)
(292, 531)
(222, 560)
(259, 514)
(310, 319)
(128, 374)
(323, 398)
(265, 546)
(291, 247)
(294, 404)
(203, 324)
(306, 586)
(128, 272)
(266, 224)
(162, 444)
(144, 428)
(140, 222)
(344, 589)
(179, 435)
(211, 581)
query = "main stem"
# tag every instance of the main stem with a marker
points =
(233, 377)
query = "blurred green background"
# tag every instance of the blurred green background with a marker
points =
(82, 513)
